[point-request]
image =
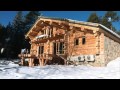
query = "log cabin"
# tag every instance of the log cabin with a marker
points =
(66, 41)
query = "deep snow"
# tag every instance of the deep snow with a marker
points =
(9, 70)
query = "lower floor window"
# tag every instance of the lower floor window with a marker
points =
(41, 49)
(59, 48)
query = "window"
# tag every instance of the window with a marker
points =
(61, 48)
(49, 32)
(83, 40)
(44, 31)
(41, 49)
(76, 42)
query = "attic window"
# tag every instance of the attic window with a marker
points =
(83, 40)
(76, 41)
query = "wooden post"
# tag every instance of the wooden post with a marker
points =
(56, 47)
(22, 61)
(65, 62)
(46, 60)
(47, 32)
(31, 62)
(59, 47)
(44, 33)
(50, 32)
(37, 51)
(42, 61)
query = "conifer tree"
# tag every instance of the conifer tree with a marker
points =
(18, 35)
(93, 18)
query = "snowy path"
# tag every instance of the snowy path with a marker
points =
(13, 71)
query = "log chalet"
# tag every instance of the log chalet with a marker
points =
(66, 41)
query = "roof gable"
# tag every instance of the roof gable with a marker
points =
(73, 22)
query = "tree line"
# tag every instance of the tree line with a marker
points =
(12, 36)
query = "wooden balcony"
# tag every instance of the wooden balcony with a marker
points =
(44, 39)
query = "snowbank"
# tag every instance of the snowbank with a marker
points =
(114, 63)
(12, 64)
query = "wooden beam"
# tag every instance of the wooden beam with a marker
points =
(85, 27)
(40, 41)
(74, 28)
(47, 22)
(40, 61)
(32, 34)
(36, 30)
(31, 37)
(82, 28)
(96, 33)
(39, 22)
(50, 32)
(41, 25)
(56, 24)
(64, 26)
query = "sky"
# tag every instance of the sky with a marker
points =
(8, 16)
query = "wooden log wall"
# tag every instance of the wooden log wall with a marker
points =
(82, 49)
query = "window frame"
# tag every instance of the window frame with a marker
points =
(83, 40)
(76, 41)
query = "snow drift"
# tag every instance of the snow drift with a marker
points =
(114, 63)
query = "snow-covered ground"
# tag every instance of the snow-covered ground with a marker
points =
(9, 70)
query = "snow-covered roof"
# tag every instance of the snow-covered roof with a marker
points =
(110, 31)
(81, 22)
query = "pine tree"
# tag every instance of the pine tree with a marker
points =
(105, 22)
(30, 19)
(9, 30)
(109, 18)
(18, 35)
(118, 32)
(1, 33)
(93, 18)
(18, 22)
(113, 15)
(8, 40)
(2, 39)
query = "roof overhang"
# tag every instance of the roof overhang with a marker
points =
(69, 21)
